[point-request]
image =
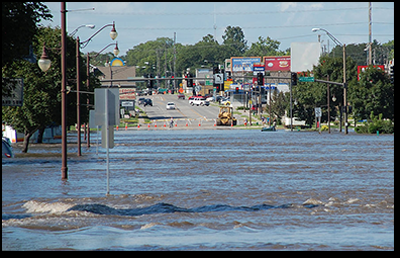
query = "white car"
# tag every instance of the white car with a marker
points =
(199, 102)
(170, 105)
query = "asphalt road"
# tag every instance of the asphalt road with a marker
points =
(184, 112)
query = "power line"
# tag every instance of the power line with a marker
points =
(244, 27)
(234, 12)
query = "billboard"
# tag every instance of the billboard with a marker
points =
(244, 64)
(303, 55)
(277, 63)
(127, 93)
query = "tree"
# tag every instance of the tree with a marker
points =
(373, 94)
(42, 96)
(312, 94)
(234, 38)
(279, 103)
(18, 26)
(265, 47)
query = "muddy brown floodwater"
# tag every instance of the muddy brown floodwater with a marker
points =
(205, 190)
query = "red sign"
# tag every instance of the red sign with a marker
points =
(127, 93)
(277, 63)
(361, 68)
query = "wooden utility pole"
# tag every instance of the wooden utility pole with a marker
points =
(370, 33)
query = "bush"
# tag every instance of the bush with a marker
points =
(376, 124)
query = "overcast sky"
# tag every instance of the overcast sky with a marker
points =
(139, 22)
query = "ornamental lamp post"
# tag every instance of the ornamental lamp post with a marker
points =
(44, 62)
(113, 33)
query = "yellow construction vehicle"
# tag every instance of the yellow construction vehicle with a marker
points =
(225, 116)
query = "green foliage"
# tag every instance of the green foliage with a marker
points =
(376, 124)
(193, 56)
(373, 93)
(265, 47)
(42, 91)
(235, 40)
(18, 26)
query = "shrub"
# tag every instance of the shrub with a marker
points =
(375, 124)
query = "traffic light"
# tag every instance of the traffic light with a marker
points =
(150, 82)
(237, 89)
(260, 79)
(293, 79)
(189, 80)
(215, 71)
(392, 74)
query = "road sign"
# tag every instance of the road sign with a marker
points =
(306, 79)
(318, 112)
(218, 78)
(16, 88)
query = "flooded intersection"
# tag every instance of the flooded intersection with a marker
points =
(205, 190)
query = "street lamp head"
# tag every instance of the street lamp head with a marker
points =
(116, 50)
(90, 26)
(315, 29)
(113, 33)
(44, 62)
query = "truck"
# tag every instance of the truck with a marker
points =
(296, 122)
(225, 116)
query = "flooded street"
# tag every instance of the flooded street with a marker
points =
(204, 190)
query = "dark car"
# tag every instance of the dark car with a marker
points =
(141, 101)
(147, 102)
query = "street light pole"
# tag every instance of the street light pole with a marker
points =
(64, 168)
(78, 106)
(346, 124)
(337, 42)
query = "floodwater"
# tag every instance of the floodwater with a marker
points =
(205, 190)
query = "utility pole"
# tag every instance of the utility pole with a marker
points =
(174, 60)
(370, 34)
(346, 131)
(78, 104)
(64, 168)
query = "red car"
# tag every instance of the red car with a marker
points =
(181, 96)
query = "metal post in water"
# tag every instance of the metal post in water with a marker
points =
(107, 143)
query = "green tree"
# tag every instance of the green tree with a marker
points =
(279, 103)
(234, 39)
(312, 94)
(373, 94)
(42, 95)
(18, 26)
(265, 47)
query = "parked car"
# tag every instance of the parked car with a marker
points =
(181, 96)
(147, 102)
(170, 105)
(199, 102)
